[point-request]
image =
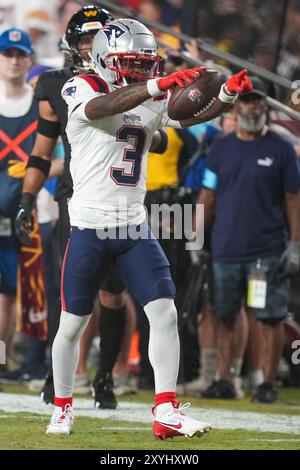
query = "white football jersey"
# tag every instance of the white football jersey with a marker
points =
(109, 156)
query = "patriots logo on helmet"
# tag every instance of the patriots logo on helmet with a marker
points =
(113, 32)
(70, 91)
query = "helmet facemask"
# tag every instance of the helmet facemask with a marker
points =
(133, 67)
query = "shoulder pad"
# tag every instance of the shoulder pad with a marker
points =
(78, 89)
(95, 82)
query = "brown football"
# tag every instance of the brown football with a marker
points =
(197, 97)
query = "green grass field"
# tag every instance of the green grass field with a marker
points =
(19, 430)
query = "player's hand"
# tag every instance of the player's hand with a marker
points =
(289, 263)
(24, 219)
(239, 83)
(182, 78)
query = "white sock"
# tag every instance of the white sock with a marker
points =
(163, 408)
(163, 343)
(256, 378)
(237, 364)
(65, 352)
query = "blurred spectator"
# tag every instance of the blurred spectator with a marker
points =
(65, 9)
(134, 4)
(252, 187)
(37, 18)
(152, 10)
(263, 55)
(228, 23)
(262, 31)
(169, 9)
(18, 113)
(289, 65)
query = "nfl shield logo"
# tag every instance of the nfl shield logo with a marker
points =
(14, 36)
(196, 96)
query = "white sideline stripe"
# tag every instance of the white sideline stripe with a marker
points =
(274, 440)
(141, 413)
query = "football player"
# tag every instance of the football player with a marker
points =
(77, 42)
(112, 117)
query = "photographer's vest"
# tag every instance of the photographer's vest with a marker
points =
(17, 136)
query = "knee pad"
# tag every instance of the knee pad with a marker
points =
(271, 321)
(161, 312)
(72, 326)
(169, 315)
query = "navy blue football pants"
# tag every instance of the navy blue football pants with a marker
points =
(141, 262)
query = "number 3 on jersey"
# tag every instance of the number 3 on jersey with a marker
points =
(132, 155)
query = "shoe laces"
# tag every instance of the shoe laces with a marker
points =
(64, 412)
(179, 407)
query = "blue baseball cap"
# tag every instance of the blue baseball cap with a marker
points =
(16, 38)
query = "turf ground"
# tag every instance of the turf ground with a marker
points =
(237, 424)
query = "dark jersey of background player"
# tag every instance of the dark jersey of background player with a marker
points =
(48, 88)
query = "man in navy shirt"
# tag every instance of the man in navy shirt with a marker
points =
(251, 186)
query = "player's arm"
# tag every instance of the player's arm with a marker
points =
(292, 201)
(57, 167)
(289, 262)
(238, 83)
(37, 169)
(159, 142)
(39, 164)
(207, 197)
(128, 97)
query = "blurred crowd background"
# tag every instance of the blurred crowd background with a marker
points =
(262, 31)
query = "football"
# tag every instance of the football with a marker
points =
(197, 97)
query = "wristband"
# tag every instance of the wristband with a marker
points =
(153, 88)
(225, 97)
